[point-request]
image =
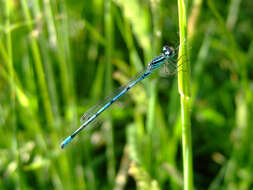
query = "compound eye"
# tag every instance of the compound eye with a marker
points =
(165, 49)
(168, 51)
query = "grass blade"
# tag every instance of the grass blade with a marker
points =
(184, 90)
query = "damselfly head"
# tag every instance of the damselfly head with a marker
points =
(168, 51)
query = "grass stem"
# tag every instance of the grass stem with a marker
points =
(38, 66)
(108, 82)
(184, 90)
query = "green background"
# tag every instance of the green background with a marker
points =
(59, 58)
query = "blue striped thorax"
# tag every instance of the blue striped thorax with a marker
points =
(168, 52)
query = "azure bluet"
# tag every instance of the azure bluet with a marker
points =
(95, 111)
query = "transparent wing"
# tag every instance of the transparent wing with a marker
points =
(94, 109)
(171, 67)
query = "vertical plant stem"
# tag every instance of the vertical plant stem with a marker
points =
(14, 145)
(38, 66)
(49, 20)
(155, 8)
(194, 17)
(184, 90)
(108, 57)
(65, 63)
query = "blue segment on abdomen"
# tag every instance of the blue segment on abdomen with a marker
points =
(120, 94)
(66, 141)
(103, 108)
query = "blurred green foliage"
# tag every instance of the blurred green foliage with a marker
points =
(58, 58)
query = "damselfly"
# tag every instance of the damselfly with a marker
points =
(95, 111)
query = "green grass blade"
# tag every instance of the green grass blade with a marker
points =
(38, 66)
(184, 90)
(111, 172)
